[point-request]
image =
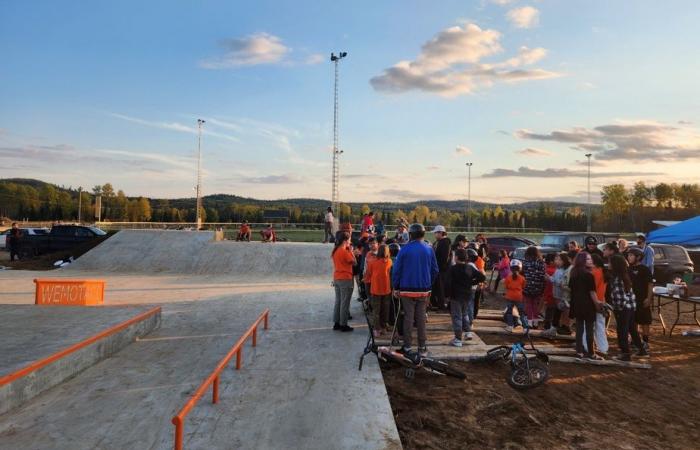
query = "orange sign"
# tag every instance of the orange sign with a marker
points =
(69, 292)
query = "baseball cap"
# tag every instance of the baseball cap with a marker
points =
(439, 229)
(591, 240)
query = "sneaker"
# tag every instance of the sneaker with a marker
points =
(345, 328)
(456, 342)
(623, 357)
(376, 333)
(405, 350)
(643, 352)
(469, 336)
(423, 352)
(564, 330)
(595, 357)
(336, 326)
(550, 332)
(509, 329)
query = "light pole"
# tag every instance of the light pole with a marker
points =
(588, 214)
(336, 151)
(200, 124)
(80, 203)
(469, 196)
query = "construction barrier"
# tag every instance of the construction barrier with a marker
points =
(59, 291)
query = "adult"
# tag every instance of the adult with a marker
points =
(367, 223)
(624, 305)
(328, 225)
(244, 232)
(584, 303)
(443, 255)
(623, 245)
(572, 250)
(482, 246)
(413, 276)
(15, 241)
(343, 262)
(591, 246)
(401, 236)
(268, 234)
(534, 273)
(647, 253)
(642, 285)
(609, 250)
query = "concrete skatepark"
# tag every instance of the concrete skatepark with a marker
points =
(299, 388)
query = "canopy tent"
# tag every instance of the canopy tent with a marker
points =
(684, 233)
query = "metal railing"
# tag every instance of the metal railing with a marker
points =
(213, 379)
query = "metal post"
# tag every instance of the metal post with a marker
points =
(80, 203)
(588, 214)
(469, 196)
(335, 194)
(200, 123)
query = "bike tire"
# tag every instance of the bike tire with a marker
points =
(443, 368)
(528, 374)
(497, 353)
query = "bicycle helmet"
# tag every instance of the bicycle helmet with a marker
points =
(394, 249)
(416, 231)
(636, 251)
(472, 255)
(516, 263)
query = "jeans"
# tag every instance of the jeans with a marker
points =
(584, 328)
(510, 321)
(626, 326)
(327, 231)
(380, 310)
(343, 294)
(600, 336)
(462, 310)
(414, 308)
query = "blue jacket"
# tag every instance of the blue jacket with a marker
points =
(415, 268)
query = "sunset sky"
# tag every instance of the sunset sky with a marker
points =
(110, 91)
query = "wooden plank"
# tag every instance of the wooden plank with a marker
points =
(605, 362)
(519, 332)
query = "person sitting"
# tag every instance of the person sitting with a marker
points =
(268, 234)
(244, 232)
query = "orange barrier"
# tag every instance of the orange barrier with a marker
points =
(58, 291)
(48, 360)
(213, 379)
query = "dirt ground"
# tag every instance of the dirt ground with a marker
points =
(581, 406)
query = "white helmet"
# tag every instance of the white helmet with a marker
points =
(516, 263)
(439, 229)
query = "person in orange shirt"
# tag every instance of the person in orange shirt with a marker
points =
(343, 261)
(244, 232)
(514, 285)
(600, 336)
(378, 277)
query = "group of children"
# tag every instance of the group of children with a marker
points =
(267, 234)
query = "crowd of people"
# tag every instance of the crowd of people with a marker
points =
(403, 277)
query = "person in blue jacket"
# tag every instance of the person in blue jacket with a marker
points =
(413, 275)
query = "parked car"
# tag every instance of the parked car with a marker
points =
(558, 242)
(61, 237)
(670, 261)
(507, 243)
(5, 239)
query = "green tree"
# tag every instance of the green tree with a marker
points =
(616, 203)
(144, 210)
(664, 194)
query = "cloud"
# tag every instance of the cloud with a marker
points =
(628, 140)
(432, 168)
(501, 2)
(531, 151)
(258, 48)
(272, 179)
(461, 150)
(406, 195)
(174, 126)
(450, 64)
(526, 172)
(525, 17)
(314, 58)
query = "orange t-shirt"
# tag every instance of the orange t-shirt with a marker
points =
(480, 264)
(343, 260)
(245, 229)
(378, 275)
(514, 288)
(600, 284)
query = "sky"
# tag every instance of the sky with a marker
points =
(104, 91)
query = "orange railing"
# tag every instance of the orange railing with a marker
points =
(213, 379)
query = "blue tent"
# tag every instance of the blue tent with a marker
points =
(684, 233)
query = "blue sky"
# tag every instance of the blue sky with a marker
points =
(110, 91)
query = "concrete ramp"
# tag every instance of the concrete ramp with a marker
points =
(197, 253)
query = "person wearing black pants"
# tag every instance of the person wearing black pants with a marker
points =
(14, 242)
(443, 255)
(624, 306)
(584, 303)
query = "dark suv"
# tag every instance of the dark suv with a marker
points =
(507, 243)
(558, 242)
(670, 261)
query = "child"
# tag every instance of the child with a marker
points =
(244, 232)
(514, 284)
(460, 279)
(561, 292)
(268, 234)
(478, 263)
(551, 313)
(378, 278)
(503, 268)
(600, 336)
(369, 256)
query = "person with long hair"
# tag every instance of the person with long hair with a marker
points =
(584, 304)
(378, 278)
(534, 273)
(600, 277)
(502, 267)
(561, 292)
(343, 262)
(624, 305)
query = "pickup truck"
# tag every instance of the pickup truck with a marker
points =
(61, 237)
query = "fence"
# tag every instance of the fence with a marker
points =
(213, 378)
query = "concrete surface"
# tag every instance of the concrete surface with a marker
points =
(31, 333)
(300, 388)
(191, 252)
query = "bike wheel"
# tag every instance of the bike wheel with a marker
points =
(528, 374)
(442, 368)
(497, 353)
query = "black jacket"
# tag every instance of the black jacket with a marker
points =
(443, 253)
(460, 279)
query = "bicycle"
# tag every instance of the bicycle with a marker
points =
(411, 362)
(526, 370)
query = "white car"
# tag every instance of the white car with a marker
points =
(5, 235)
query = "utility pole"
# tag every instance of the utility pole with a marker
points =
(80, 203)
(588, 214)
(336, 151)
(469, 196)
(200, 124)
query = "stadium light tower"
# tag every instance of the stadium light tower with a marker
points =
(200, 124)
(335, 59)
(588, 214)
(469, 196)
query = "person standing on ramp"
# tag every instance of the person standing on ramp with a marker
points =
(413, 275)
